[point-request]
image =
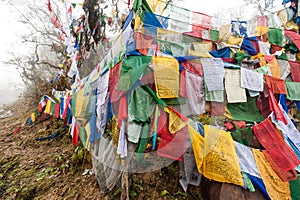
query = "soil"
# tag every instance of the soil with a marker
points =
(32, 167)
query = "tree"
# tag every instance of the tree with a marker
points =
(45, 49)
(263, 6)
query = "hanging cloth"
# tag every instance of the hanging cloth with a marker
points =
(140, 107)
(270, 139)
(182, 84)
(275, 108)
(295, 37)
(235, 93)
(288, 129)
(246, 159)
(172, 146)
(295, 71)
(261, 25)
(274, 185)
(275, 36)
(195, 93)
(193, 67)
(285, 69)
(251, 79)
(246, 111)
(276, 85)
(274, 66)
(293, 90)
(295, 189)
(220, 160)
(114, 73)
(284, 176)
(166, 75)
(213, 73)
(131, 70)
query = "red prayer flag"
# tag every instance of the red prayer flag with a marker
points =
(201, 20)
(262, 21)
(182, 84)
(193, 67)
(275, 108)
(54, 19)
(56, 110)
(284, 176)
(269, 137)
(276, 85)
(295, 71)
(123, 112)
(49, 6)
(172, 146)
(113, 78)
(75, 135)
(294, 36)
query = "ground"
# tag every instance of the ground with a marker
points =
(55, 169)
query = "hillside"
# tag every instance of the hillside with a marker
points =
(55, 169)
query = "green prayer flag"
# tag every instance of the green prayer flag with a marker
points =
(248, 182)
(144, 139)
(131, 70)
(174, 48)
(290, 47)
(293, 89)
(283, 56)
(82, 136)
(239, 56)
(52, 107)
(295, 189)
(263, 70)
(141, 6)
(214, 34)
(245, 111)
(242, 136)
(73, 107)
(275, 36)
(141, 105)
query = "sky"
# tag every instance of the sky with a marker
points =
(215, 6)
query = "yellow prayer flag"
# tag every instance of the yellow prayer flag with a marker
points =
(202, 53)
(157, 6)
(220, 160)
(166, 76)
(81, 104)
(274, 67)
(282, 16)
(215, 155)
(197, 144)
(48, 107)
(276, 188)
(261, 30)
(291, 25)
(234, 40)
(137, 23)
(224, 32)
(175, 122)
(33, 117)
(88, 133)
